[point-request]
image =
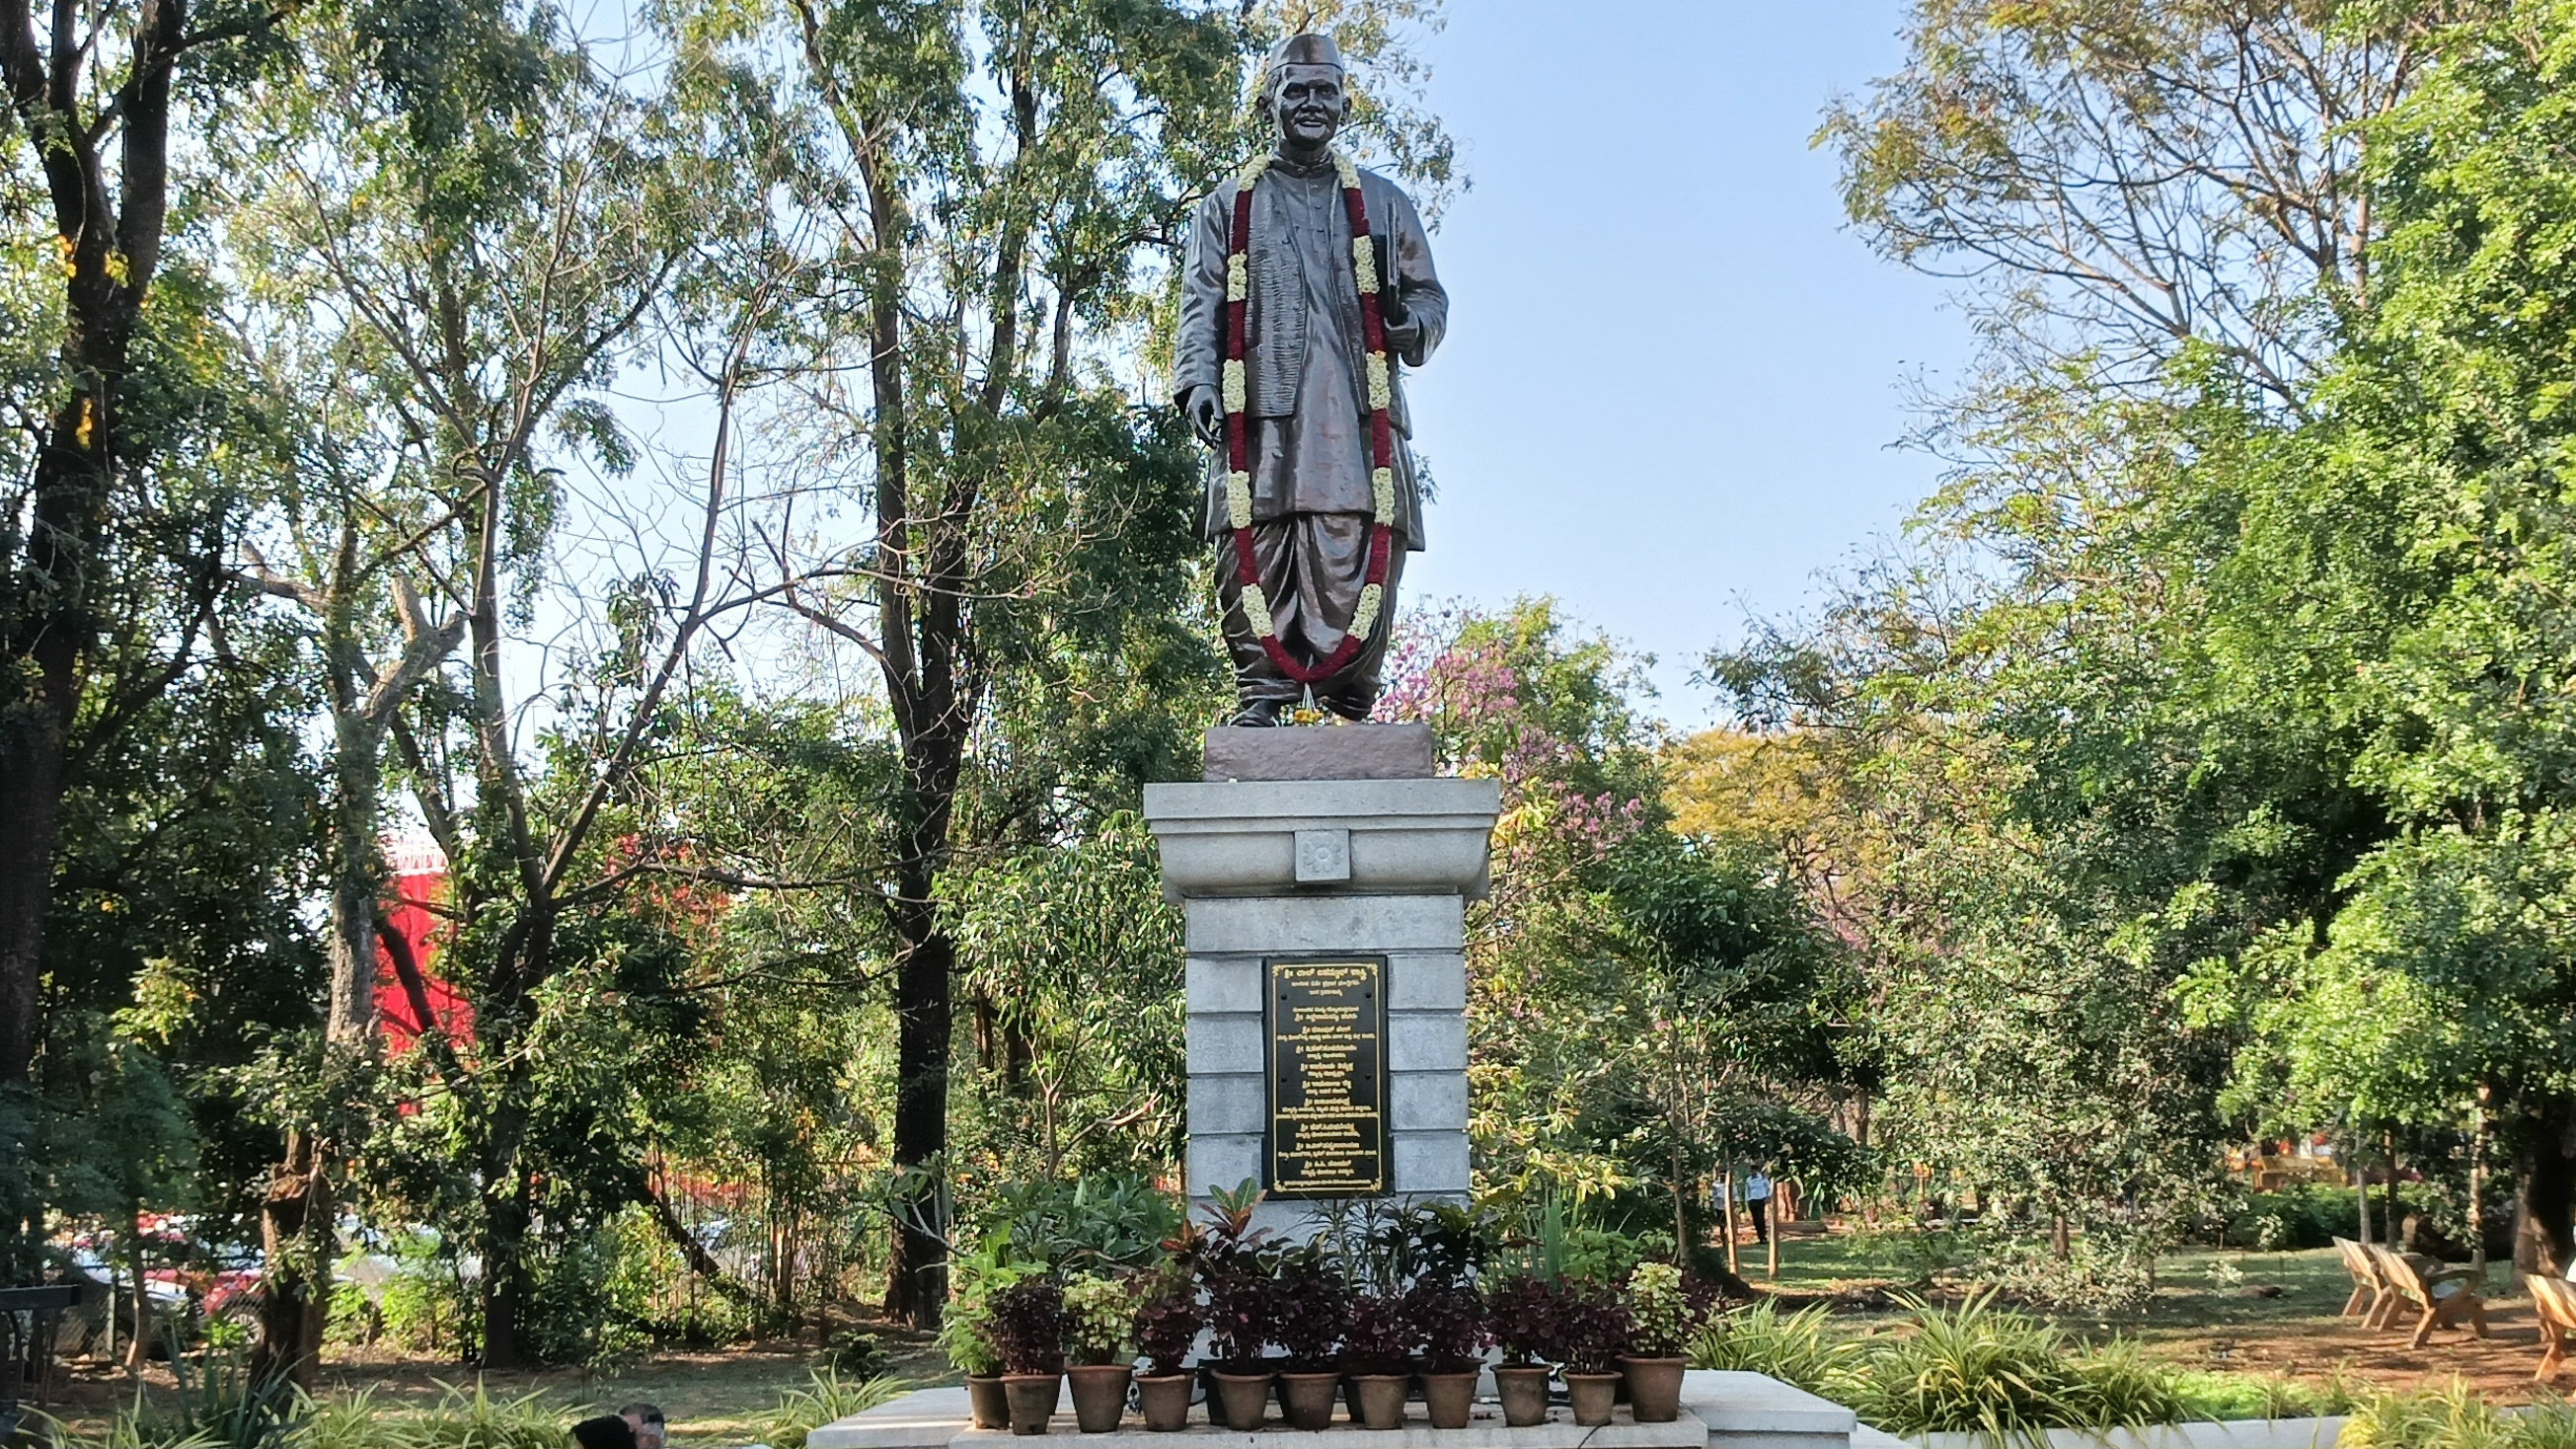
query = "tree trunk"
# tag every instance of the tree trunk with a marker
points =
(2478, 1187)
(916, 1284)
(2389, 1204)
(2544, 1240)
(298, 1234)
(2361, 1195)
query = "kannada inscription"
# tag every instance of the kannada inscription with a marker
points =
(1327, 1043)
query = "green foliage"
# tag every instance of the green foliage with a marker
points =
(1100, 1316)
(2005, 1375)
(2455, 1416)
(1801, 1348)
(828, 1397)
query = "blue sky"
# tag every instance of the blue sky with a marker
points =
(1673, 381)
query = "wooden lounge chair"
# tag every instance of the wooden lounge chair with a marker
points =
(2555, 1300)
(2367, 1288)
(2442, 1295)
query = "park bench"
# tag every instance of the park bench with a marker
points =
(2442, 1295)
(2554, 1299)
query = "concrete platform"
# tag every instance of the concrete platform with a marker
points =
(1719, 1411)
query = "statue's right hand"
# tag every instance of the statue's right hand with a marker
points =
(1207, 415)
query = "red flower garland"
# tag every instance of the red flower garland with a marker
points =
(1238, 433)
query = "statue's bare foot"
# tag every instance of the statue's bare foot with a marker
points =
(1259, 714)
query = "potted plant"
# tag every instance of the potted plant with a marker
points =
(1311, 1313)
(1168, 1321)
(965, 1335)
(1377, 1350)
(1027, 1325)
(1447, 1321)
(1591, 1333)
(1521, 1315)
(1665, 1312)
(1240, 1302)
(1099, 1319)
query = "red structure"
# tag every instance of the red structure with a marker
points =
(407, 1007)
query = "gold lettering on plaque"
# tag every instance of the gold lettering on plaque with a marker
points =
(1328, 1077)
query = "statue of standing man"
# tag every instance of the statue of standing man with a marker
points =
(1309, 286)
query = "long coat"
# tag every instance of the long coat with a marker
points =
(1283, 263)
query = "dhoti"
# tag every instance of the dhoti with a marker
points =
(1312, 566)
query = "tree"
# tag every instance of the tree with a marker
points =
(1001, 179)
(2150, 176)
(2415, 562)
(120, 505)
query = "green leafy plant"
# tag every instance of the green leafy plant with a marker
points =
(1799, 1348)
(1099, 1316)
(826, 1397)
(2005, 1375)
(1665, 1310)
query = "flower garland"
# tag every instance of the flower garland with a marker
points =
(1238, 435)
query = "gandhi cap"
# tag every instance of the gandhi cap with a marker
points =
(1307, 49)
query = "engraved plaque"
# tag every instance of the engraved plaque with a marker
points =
(1327, 1077)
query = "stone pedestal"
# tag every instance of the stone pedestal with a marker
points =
(1368, 856)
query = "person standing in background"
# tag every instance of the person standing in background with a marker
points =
(1757, 1202)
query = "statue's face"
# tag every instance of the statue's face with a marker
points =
(1307, 103)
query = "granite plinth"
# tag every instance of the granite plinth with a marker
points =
(1317, 837)
(1268, 869)
(1340, 752)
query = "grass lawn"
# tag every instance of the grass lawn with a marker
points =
(722, 1397)
(2213, 1309)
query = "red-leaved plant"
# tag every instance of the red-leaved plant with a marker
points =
(1168, 1318)
(1447, 1322)
(1525, 1316)
(1026, 1321)
(1380, 1342)
(1591, 1331)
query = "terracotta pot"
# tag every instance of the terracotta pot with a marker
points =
(1655, 1388)
(1100, 1395)
(1382, 1399)
(1450, 1398)
(1523, 1390)
(1592, 1395)
(1166, 1400)
(1308, 1398)
(987, 1401)
(1243, 1396)
(1033, 1400)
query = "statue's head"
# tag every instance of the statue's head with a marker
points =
(1303, 90)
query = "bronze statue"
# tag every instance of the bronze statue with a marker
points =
(1292, 341)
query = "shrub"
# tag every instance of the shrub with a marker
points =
(1446, 1322)
(2005, 1375)
(461, 1419)
(1800, 1349)
(1524, 1316)
(1026, 1322)
(1592, 1331)
(826, 1398)
(1665, 1310)
(1310, 1313)
(1241, 1301)
(1379, 1341)
(1099, 1317)
(1169, 1318)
